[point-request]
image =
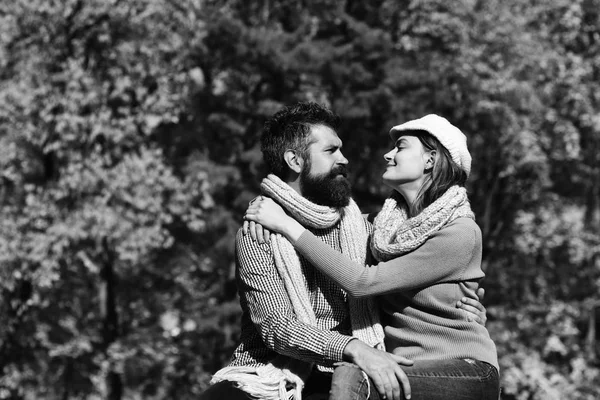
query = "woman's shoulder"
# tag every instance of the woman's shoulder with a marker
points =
(464, 223)
(463, 229)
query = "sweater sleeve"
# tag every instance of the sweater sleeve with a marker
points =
(444, 257)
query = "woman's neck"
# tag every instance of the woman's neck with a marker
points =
(408, 196)
(409, 192)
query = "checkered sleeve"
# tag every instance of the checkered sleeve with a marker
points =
(264, 298)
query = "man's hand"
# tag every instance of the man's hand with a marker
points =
(474, 309)
(383, 368)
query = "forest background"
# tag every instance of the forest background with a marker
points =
(129, 151)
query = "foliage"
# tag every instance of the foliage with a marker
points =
(129, 150)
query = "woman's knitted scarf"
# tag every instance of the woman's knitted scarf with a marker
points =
(284, 377)
(395, 234)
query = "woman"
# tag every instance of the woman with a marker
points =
(429, 251)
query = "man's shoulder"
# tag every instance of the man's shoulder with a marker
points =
(246, 245)
(254, 261)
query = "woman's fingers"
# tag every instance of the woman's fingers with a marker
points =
(257, 198)
(252, 209)
(259, 233)
(252, 229)
(260, 210)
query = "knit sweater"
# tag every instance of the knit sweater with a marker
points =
(418, 292)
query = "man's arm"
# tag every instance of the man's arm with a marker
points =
(265, 299)
(263, 296)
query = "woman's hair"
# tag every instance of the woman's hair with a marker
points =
(444, 174)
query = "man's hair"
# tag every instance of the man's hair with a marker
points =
(289, 129)
(444, 174)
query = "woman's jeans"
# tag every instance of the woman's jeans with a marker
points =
(463, 379)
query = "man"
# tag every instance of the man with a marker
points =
(296, 327)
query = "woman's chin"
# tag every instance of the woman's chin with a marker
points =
(386, 181)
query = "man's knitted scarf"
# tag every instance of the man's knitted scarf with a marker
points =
(395, 234)
(283, 378)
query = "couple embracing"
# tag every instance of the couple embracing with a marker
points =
(344, 306)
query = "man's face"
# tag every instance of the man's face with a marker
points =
(323, 178)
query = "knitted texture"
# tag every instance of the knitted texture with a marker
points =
(364, 315)
(395, 234)
(449, 136)
(284, 377)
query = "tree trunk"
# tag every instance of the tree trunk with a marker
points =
(110, 320)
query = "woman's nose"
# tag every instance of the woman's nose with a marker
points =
(389, 155)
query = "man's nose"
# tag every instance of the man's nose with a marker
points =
(342, 159)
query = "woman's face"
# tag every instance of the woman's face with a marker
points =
(406, 163)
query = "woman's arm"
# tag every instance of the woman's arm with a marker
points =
(443, 258)
(375, 280)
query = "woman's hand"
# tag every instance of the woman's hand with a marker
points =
(270, 215)
(258, 233)
(264, 211)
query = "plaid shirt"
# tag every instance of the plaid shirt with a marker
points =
(269, 324)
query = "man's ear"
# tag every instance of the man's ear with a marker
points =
(294, 161)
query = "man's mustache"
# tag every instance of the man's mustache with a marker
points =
(339, 170)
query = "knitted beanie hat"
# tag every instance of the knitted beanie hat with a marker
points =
(449, 136)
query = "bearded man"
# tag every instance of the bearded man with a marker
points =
(297, 323)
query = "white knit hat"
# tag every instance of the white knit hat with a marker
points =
(449, 136)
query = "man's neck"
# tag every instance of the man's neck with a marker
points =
(295, 184)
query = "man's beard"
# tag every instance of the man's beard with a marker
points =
(331, 189)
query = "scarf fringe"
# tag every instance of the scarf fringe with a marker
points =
(266, 382)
